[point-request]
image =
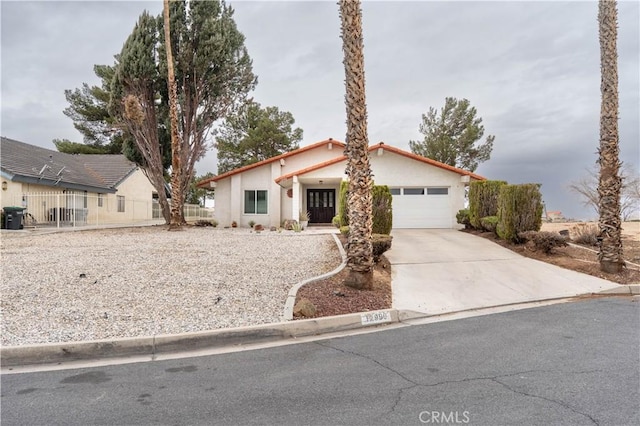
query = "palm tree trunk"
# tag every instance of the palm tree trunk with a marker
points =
(359, 248)
(609, 186)
(177, 197)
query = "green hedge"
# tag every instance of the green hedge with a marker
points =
(519, 210)
(483, 200)
(462, 217)
(343, 214)
(489, 223)
(382, 210)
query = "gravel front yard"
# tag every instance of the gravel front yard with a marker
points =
(111, 283)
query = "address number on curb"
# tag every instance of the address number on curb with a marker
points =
(375, 318)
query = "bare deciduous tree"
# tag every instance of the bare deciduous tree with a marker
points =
(587, 189)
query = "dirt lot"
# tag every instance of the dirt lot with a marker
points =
(331, 297)
(583, 258)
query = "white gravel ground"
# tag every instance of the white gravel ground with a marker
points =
(100, 284)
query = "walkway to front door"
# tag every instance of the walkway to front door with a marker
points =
(321, 205)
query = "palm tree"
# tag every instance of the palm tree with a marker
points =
(176, 144)
(610, 183)
(359, 248)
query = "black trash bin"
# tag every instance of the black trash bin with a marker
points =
(13, 217)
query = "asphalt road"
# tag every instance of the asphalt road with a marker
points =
(565, 364)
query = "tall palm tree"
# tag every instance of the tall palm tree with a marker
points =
(359, 248)
(176, 144)
(610, 183)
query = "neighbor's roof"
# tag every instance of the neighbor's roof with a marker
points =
(112, 169)
(388, 148)
(204, 183)
(26, 163)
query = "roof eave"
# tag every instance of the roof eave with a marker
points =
(230, 173)
(62, 183)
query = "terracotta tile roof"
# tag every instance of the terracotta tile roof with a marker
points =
(205, 183)
(389, 148)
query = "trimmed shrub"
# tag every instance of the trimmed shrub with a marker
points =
(519, 210)
(462, 217)
(343, 214)
(336, 221)
(483, 200)
(382, 211)
(543, 241)
(585, 233)
(489, 223)
(381, 243)
(344, 230)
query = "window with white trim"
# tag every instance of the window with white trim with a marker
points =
(120, 203)
(255, 202)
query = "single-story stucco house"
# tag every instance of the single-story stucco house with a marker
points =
(76, 189)
(426, 193)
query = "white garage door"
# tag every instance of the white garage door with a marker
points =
(421, 207)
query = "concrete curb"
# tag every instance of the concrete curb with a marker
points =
(632, 289)
(291, 297)
(12, 356)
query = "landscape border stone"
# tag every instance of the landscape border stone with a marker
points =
(291, 297)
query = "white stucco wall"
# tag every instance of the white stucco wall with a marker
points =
(309, 158)
(397, 170)
(230, 190)
(388, 168)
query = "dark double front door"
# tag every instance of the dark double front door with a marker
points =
(321, 205)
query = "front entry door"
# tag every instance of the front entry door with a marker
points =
(321, 205)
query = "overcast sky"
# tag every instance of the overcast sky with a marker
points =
(530, 68)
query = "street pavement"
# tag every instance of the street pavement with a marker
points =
(564, 364)
(436, 271)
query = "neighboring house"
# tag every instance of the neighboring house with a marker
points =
(555, 216)
(426, 193)
(56, 187)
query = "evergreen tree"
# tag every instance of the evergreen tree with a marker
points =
(254, 134)
(213, 74)
(451, 137)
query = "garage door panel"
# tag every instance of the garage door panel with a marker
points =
(422, 211)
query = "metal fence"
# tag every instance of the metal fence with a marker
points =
(59, 209)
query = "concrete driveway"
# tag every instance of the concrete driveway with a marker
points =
(438, 271)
